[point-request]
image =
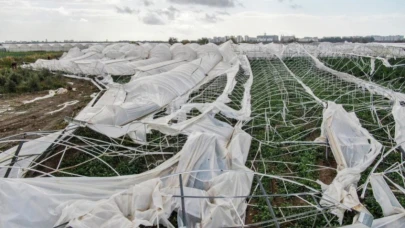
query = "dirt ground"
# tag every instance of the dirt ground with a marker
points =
(17, 117)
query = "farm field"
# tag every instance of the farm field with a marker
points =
(279, 132)
(22, 85)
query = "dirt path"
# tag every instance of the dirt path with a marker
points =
(17, 117)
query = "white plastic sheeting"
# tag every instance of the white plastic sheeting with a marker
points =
(398, 111)
(354, 149)
(115, 59)
(123, 64)
(115, 112)
(29, 150)
(43, 47)
(386, 222)
(384, 195)
(180, 53)
(142, 96)
(393, 211)
(139, 199)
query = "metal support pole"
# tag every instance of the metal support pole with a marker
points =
(14, 160)
(183, 207)
(268, 201)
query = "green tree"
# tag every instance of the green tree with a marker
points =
(185, 41)
(173, 40)
(203, 41)
(233, 40)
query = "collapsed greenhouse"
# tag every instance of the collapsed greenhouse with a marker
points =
(236, 135)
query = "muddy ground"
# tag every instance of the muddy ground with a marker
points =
(17, 117)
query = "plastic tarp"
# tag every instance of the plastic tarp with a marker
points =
(72, 53)
(181, 54)
(147, 94)
(177, 110)
(139, 199)
(386, 222)
(398, 111)
(354, 150)
(29, 151)
(115, 59)
(384, 195)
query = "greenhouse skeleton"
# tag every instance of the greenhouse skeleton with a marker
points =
(213, 125)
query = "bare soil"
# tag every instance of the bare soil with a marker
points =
(327, 175)
(17, 117)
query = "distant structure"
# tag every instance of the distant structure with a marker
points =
(267, 38)
(286, 39)
(262, 38)
(308, 39)
(217, 39)
(250, 39)
(396, 38)
(239, 39)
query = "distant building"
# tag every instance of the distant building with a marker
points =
(217, 40)
(267, 38)
(250, 39)
(308, 39)
(287, 38)
(388, 38)
(239, 39)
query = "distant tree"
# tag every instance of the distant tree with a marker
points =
(233, 40)
(203, 41)
(173, 40)
(185, 41)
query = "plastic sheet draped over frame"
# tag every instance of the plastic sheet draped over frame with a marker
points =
(386, 222)
(181, 54)
(93, 202)
(32, 149)
(147, 94)
(177, 111)
(354, 150)
(384, 196)
(114, 59)
(398, 111)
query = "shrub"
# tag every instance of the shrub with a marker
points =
(33, 84)
(25, 80)
(11, 86)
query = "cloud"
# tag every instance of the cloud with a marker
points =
(211, 18)
(223, 13)
(170, 12)
(83, 20)
(211, 3)
(125, 10)
(291, 3)
(63, 11)
(153, 19)
(147, 2)
(160, 16)
(295, 6)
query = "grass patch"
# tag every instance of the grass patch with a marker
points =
(7, 58)
(26, 80)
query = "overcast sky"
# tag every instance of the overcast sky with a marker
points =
(159, 19)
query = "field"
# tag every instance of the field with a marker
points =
(7, 58)
(19, 85)
(290, 159)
